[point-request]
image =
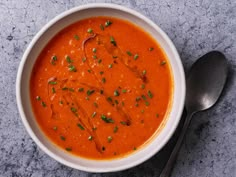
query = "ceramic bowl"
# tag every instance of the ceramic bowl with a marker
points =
(38, 43)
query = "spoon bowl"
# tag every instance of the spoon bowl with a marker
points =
(205, 81)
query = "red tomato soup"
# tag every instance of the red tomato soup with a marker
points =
(101, 88)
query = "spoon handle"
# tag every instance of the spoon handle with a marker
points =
(166, 172)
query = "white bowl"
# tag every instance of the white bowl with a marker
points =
(43, 37)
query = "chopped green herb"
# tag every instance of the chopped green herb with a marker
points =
(142, 86)
(109, 139)
(109, 99)
(81, 89)
(110, 66)
(94, 128)
(163, 62)
(106, 119)
(69, 149)
(147, 103)
(76, 37)
(114, 56)
(142, 111)
(43, 104)
(100, 61)
(115, 129)
(150, 94)
(94, 114)
(157, 115)
(55, 128)
(136, 56)
(144, 72)
(90, 138)
(129, 53)
(68, 59)
(90, 30)
(150, 48)
(52, 82)
(95, 104)
(53, 90)
(38, 98)
(95, 57)
(102, 27)
(116, 93)
(90, 92)
(112, 40)
(138, 98)
(135, 149)
(94, 50)
(144, 97)
(123, 123)
(54, 58)
(65, 88)
(72, 68)
(62, 138)
(74, 110)
(122, 103)
(124, 91)
(136, 104)
(116, 102)
(89, 71)
(60, 102)
(101, 72)
(80, 126)
(87, 98)
(103, 80)
(108, 23)
(71, 89)
(84, 59)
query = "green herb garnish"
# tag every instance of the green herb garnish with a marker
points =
(90, 30)
(52, 82)
(116, 93)
(150, 94)
(106, 119)
(72, 68)
(62, 138)
(108, 23)
(90, 92)
(109, 139)
(68, 59)
(136, 56)
(81, 89)
(76, 37)
(53, 90)
(129, 53)
(94, 114)
(38, 98)
(90, 138)
(115, 129)
(102, 27)
(80, 126)
(112, 40)
(43, 104)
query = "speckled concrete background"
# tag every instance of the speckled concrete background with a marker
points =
(195, 26)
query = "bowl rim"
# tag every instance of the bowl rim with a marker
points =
(36, 38)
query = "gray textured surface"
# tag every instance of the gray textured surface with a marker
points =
(195, 26)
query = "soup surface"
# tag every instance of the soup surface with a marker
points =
(101, 88)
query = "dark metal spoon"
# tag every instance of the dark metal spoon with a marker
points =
(204, 83)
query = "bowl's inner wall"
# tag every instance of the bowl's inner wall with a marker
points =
(47, 35)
